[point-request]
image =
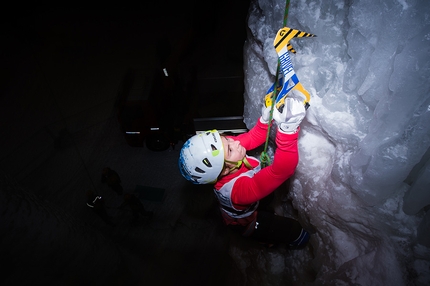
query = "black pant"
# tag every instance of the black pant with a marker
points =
(271, 228)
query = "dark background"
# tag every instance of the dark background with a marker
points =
(65, 105)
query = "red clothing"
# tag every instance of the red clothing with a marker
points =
(246, 190)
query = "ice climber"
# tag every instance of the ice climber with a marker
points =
(240, 182)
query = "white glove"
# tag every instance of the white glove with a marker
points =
(265, 114)
(292, 115)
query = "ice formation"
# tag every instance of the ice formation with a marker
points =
(362, 181)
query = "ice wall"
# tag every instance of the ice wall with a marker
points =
(364, 140)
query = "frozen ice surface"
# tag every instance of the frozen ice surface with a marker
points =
(362, 180)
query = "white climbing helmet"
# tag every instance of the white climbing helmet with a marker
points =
(202, 158)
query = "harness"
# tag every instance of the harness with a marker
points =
(240, 212)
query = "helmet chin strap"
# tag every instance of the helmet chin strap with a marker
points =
(239, 163)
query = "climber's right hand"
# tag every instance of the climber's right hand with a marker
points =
(291, 116)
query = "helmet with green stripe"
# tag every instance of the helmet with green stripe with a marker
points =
(202, 158)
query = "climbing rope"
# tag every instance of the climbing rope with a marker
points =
(264, 157)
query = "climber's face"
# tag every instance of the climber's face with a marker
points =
(233, 151)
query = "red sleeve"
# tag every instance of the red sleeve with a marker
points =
(249, 190)
(254, 137)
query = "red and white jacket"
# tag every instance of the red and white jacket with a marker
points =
(239, 192)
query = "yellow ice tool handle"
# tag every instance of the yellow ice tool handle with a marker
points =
(281, 42)
(268, 97)
(298, 86)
